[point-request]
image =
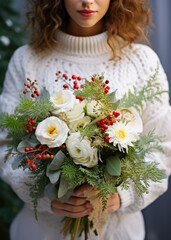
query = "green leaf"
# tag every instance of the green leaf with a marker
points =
(66, 196)
(23, 144)
(111, 97)
(50, 191)
(53, 169)
(17, 161)
(63, 188)
(113, 165)
(44, 94)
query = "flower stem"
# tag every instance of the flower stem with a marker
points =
(76, 228)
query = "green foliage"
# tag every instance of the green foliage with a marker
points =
(107, 188)
(92, 89)
(38, 184)
(135, 168)
(32, 109)
(76, 174)
(11, 29)
(149, 93)
(147, 143)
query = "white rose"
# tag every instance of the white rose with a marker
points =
(52, 131)
(81, 151)
(82, 122)
(132, 118)
(63, 101)
(94, 108)
(76, 112)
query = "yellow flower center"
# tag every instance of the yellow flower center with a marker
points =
(52, 130)
(60, 99)
(121, 134)
(78, 150)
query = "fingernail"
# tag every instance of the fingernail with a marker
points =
(88, 205)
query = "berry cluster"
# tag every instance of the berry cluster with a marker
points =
(31, 87)
(73, 82)
(41, 153)
(30, 125)
(109, 121)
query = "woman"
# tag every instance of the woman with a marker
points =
(84, 37)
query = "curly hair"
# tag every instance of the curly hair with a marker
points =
(127, 19)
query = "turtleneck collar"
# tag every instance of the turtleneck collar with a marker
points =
(83, 46)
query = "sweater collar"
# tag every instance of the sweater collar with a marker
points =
(83, 46)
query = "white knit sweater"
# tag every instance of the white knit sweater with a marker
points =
(85, 56)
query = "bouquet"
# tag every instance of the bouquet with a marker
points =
(83, 134)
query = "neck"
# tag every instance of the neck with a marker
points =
(75, 30)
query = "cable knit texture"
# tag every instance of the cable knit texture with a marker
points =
(85, 56)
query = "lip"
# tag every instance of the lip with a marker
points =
(87, 13)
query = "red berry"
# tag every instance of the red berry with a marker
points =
(37, 93)
(63, 146)
(34, 128)
(24, 91)
(65, 86)
(33, 122)
(25, 124)
(105, 127)
(111, 123)
(108, 124)
(79, 78)
(82, 86)
(75, 83)
(102, 121)
(38, 156)
(76, 87)
(51, 157)
(43, 156)
(101, 88)
(27, 149)
(57, 74)
(107, 81)
(102, 129)
(27, 131)
(31, 149)
(34, 167)
(92, 79)
(74, 77)
(98, 123)
(106, 90)
(30, 122)
(116, 114)
(28, 85)
(107, 139)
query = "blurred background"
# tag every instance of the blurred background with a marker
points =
(12, 35)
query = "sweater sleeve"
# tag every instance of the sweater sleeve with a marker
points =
(156, 116)
(13, 86)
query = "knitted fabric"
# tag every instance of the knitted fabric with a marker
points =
(84, 56)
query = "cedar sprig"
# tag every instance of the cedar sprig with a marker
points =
(149, 93)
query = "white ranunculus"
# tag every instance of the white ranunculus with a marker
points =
(132, 118)
(76, 112)
(122, 135)
(63, 101)
(82, 122)
(52, 131)
(81, 151)
(94, 108)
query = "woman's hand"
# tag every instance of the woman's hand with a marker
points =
(77, 205)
